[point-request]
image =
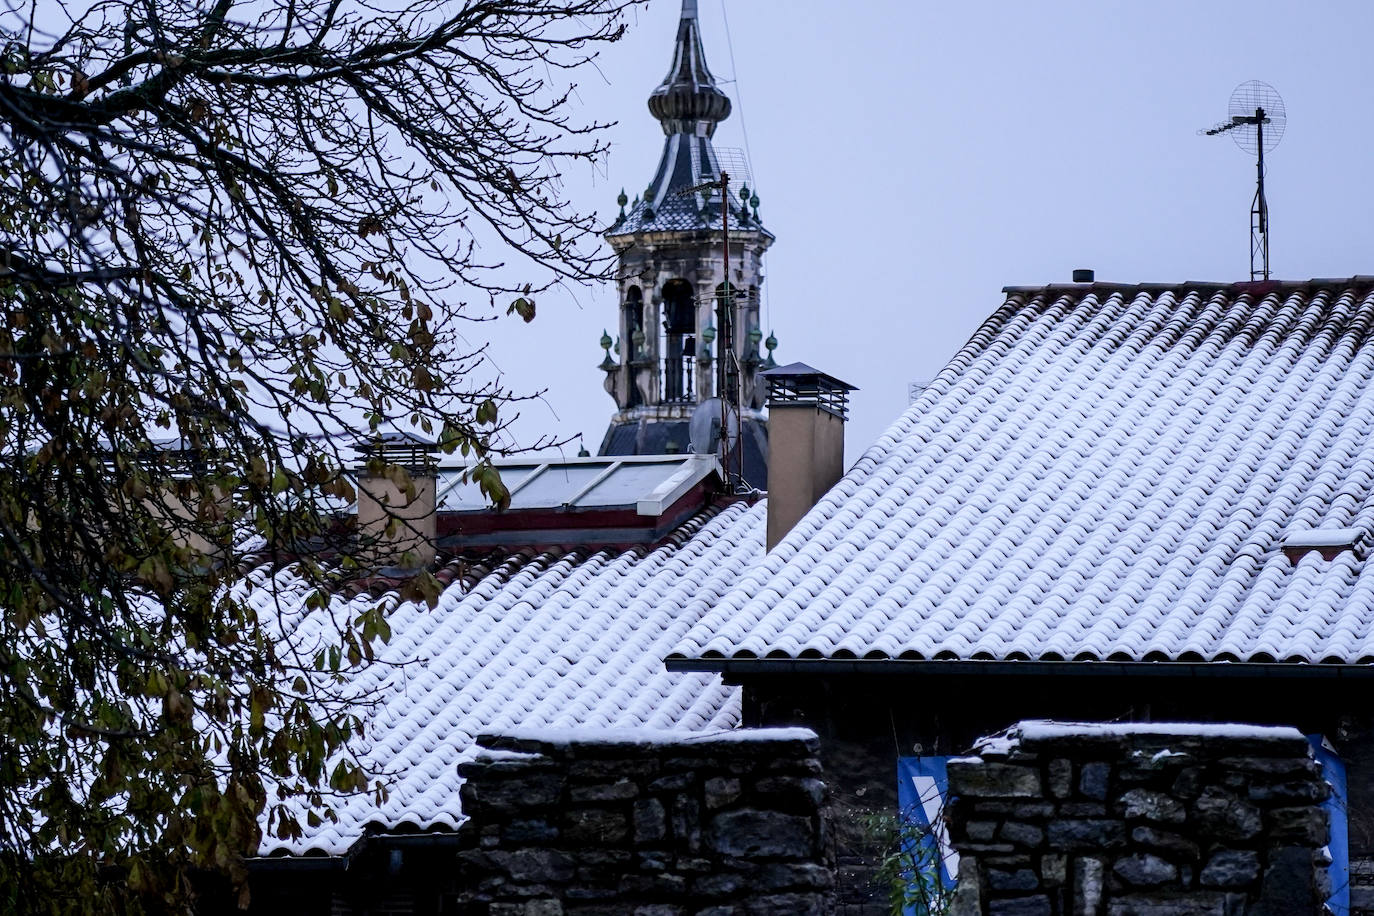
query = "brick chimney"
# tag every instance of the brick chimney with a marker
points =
(806, 414)
(396, 511)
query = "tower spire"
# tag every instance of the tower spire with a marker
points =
(688, 99)
(689, 293)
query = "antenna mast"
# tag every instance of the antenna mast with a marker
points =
(725, 316)
(1253, 105)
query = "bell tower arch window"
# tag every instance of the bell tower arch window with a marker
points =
(679, 326)
(634, 337)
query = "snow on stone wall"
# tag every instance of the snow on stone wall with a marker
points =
(1066, 818)
(639, 822)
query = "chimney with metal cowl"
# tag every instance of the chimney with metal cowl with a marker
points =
(806, 414)
(397, 483)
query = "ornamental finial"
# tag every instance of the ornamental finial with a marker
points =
(688, 95)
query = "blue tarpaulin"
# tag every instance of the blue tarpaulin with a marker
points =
(1339, 847)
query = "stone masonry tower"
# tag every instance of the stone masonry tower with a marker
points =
(677, 306)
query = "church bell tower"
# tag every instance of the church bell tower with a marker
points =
(688, 333)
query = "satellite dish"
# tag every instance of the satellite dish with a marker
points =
(703, 429)
(1250, 97)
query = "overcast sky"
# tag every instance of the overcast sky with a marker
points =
(913, 158)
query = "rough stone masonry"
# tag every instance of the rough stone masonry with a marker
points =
(1139, 820)
(638, 823)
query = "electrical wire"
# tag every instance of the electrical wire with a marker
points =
(748, 153)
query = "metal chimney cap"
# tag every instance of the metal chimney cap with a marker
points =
(802, 370)
(399, 447)
(1083, 275)
(800, 385)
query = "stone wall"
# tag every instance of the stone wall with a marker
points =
(866, 721)
(1139, 819)
(637, 823)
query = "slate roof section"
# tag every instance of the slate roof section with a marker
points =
(687, 161)
(543, 640)
(1102, 473)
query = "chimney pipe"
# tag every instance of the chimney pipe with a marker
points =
(396, 517)
(806, 414)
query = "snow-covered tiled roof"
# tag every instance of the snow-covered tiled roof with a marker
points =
(550, 640)
(1102, 473)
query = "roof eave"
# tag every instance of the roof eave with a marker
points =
(992, 667)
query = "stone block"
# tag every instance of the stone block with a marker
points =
(1010, 861)
(598, 826)
(1092, 780)
(620, 790)
(809, 766)
(1089, 880)
(987, 849)
(968, 895)
(1188, 783)
(1054, 869)
(1021, 834)
(768, 834)
(1305, 826)
(1223, 815)
(719, 884)
(585, 891)
(650, 821)
(1039, 905)
(1145, 870)
(534, 865)
(659, 909)
(1289, 884)
(1161, 904)
(1023, 879)
(785, 905)
(524, 832)
(1060, 773)
(687, 823)
(720, 792)
(980, 779)
(795, 795)
(674, 783)
(1271, 766)
(780, 876)
(1231, 868)
(1027, 810)
(506, 796)
(1294, 792)
(1082, 809)
(663, 884)
(652, 861)
(1144, 804)
(1087, 834)
(543, 908)
(980, 831)
(603, 770)
(1171, 845)
(605, 858)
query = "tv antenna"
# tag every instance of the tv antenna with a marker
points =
(1257, 119)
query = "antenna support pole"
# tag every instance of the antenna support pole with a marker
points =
(726, 319)
(1259, 209)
